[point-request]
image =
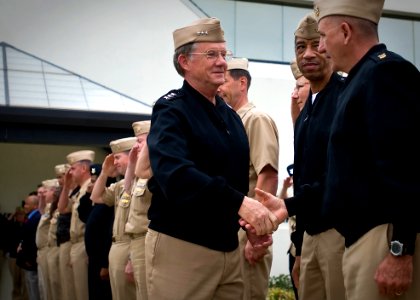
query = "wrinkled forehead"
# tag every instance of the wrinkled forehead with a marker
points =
(210, 45)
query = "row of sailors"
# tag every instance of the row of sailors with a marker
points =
(63, 259)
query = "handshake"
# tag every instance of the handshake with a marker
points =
(264, 215)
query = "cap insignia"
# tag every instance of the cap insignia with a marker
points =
(316, 11)
(200, 33)
(382, 55)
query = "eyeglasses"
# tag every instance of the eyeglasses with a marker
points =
(214, 54)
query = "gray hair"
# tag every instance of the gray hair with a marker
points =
(185, 50)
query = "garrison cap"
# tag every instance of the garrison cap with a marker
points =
(369, 10)
(124, 144)
(307, 27)
(240, 63)
(141, 127)
(295, 69)
(50, 183)
(80, 155)
(61, 169)
(202, 30)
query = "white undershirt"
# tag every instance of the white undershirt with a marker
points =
(314, 97)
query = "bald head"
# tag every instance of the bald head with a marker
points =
(31, 203)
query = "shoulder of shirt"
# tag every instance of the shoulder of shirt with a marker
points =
(256, 114)
(172, 95)
(384, 55)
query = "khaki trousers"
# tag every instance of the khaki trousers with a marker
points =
(321, 274)
(256, 276)
(138, 260)
(79, 261)
(179, 270)
(41, 259)
(54, 282)
(361, 260)
(118, 258)
(66, 272)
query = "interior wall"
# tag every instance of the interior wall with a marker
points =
(24, 166)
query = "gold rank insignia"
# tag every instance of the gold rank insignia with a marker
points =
(316, 11)
(382, 55)
(125, 198)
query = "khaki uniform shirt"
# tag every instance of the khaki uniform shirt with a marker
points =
(77, 227)
(264, 148)
(41, 238)
(113, 196)
(141, 197)
(52, 232)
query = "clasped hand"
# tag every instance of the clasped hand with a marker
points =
(262, 216)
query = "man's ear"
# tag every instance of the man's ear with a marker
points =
(244, 82)
(183, 61)
(346, 31)
(86, 167)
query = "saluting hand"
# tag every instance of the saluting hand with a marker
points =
(108, 167)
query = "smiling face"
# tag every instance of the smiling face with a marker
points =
(203, 71)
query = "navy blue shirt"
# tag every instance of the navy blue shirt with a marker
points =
(199, 155)
(26, 258)
(312, 130)
(373, 157)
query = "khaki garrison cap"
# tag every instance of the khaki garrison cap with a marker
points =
(124, 144)
(202, 30)
(50, 183)
(369, 10)
(141, 127)
(308, 27)
(80, 155)
(238, 63)
(295, 69)
(61, 169)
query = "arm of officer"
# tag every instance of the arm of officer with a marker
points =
(107, 170)
(63, 201)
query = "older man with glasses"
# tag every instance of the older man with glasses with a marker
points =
(199, 156)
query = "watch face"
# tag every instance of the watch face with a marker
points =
(396, 248)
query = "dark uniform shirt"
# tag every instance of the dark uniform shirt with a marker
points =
(26, 257)
(199, 155)
(374, 155)
(312, 131)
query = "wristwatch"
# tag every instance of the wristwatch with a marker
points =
(396, 248)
